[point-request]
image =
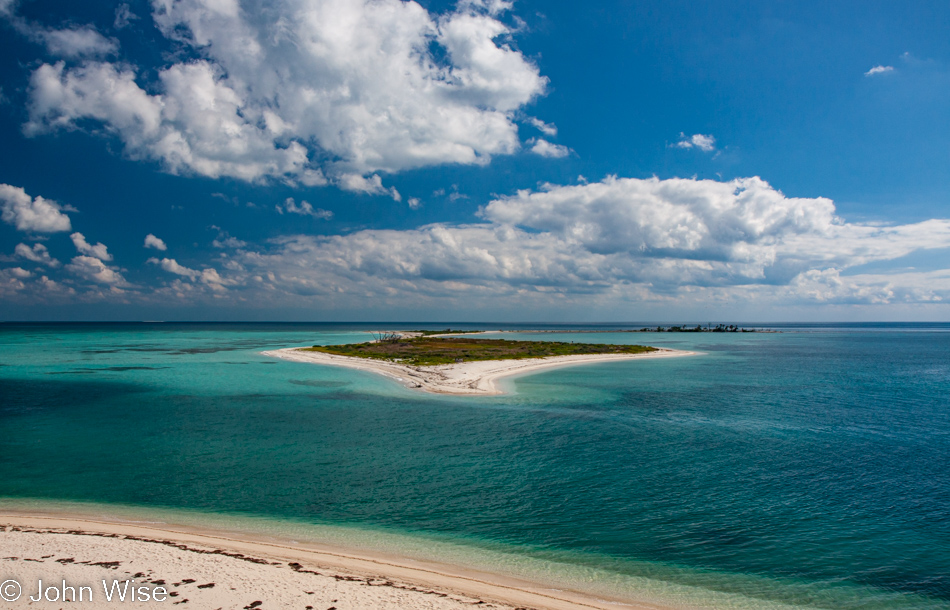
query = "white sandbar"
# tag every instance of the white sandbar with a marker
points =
(466, 378)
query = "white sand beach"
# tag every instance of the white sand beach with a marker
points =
(207, 569)
(466, 378)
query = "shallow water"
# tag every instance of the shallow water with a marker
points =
(808, 468)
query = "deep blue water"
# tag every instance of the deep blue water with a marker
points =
(809, 467)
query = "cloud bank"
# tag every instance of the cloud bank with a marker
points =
(621, 240)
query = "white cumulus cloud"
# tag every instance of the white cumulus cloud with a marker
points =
(37, 254)
(879, 70)
(702, 142)
(94, 269)
(36, 215)
(545, 128)
(77, 42)
(83, 247)
(549, 150)
(226, 241)
(171, 265)
(123, 17)
(74, 42)
(304, 209)
(154, 242)
(373, 185)
(306, 89)
(197, 127)
(208, 276)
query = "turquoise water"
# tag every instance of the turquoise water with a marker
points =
(807, 468)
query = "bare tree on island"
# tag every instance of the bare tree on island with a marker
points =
(385, 336)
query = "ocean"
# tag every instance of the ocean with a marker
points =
(805, 468)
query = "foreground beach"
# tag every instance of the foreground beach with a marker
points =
(475, 378)
(216, 569)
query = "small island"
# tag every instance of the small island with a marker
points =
(699, 328)
(462, 365)
(430, 351)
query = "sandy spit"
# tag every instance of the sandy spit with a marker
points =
(466, 378)
(206, 569)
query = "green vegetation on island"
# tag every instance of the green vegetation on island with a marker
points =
(699, 328)
(427, 351)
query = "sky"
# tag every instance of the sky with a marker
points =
(480, 160)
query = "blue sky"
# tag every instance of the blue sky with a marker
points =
(480, 160)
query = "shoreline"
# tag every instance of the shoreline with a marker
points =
(211, 568)
(476, 378)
